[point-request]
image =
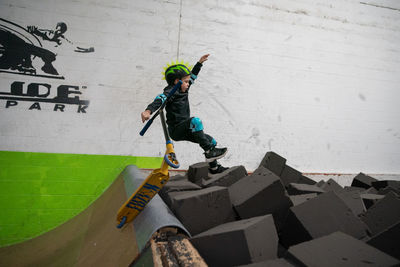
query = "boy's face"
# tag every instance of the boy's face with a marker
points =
(185, 83)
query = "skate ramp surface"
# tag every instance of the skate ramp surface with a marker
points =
(155, 216)
(89, 239)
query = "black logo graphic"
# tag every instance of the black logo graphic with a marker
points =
(19, 46)
(41, 92)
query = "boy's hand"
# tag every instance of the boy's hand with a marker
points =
(145, 115)
(204, 58)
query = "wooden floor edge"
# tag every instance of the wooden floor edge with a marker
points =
(170, 248)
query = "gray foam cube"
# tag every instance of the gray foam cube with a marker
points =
(363, 180)
(339, 249)
(353, 200)
(320, 216)
(332, 185)
(299, 189)
(383, 214)
(203, 209)
(298, 199)
(386, 186)
(179, 177)
(226, 178)
(388, 240)
(273, 162)
(270, 263)
(370, 199)
(176, 186)
(353, 188)
(197, 172)
(260, 193)
(291, 175)
(239, 242)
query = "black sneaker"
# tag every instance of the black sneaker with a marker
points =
(215, 153)
(217, 169)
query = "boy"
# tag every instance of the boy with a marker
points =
(180, 125)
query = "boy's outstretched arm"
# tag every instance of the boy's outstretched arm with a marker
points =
(204, 58)
(153, 106)
(197, 67)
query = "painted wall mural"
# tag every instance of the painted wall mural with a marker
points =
(322, 89)
(22, 51)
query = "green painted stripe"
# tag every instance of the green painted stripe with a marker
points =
(39, 191)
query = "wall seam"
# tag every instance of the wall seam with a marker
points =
(179, 30)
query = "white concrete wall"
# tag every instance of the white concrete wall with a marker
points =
(313, 80)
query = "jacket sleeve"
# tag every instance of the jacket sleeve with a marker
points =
(195, 71)
(156, 104)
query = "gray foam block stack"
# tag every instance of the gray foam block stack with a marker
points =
(276, 215)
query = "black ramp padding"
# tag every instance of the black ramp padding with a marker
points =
(388, 240)
(203, 209)
(240, 242)
(320, 216)
(383, 214)
(197, 172)
(339, 249)
(260, 193)
(363, 180)
(273, 162)
(291, 175)
(226, 178)
(299, 189)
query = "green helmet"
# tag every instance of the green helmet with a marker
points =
(176, 71)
